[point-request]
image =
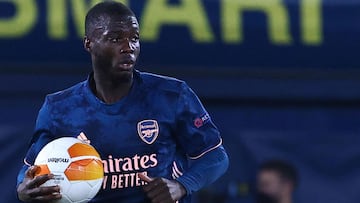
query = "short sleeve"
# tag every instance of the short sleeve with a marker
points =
(196, 132)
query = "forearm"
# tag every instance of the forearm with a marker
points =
(21, 175)
(205, 170)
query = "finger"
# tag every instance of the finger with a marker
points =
(45, 191)
(156, 184)
(47, 198)
(158, 193)
(163, 198)
(39, 180)
(145, 178)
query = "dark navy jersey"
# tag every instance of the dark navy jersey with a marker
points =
(157, 128)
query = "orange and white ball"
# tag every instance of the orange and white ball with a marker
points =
(76, 166)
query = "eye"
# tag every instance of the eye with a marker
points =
(114, 39)
(135, 39)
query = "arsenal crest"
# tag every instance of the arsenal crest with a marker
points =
(148, 130)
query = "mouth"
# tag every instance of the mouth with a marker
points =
(126, 65)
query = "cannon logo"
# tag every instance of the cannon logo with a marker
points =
(148, 130)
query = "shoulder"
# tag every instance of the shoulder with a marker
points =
(66, 94)
(161, 82)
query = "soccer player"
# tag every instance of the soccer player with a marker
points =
(276, 182)
(157, 142)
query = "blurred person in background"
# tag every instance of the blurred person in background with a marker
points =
(276, 182)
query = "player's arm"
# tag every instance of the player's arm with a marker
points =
(203, 171)
(29, 191)
(28, 186)
(201, 140)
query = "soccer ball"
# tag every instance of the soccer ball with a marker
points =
(76, 166)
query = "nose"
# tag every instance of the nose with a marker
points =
(127, 47)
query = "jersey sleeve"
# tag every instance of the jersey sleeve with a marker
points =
(42, 135)
(196, 132)
(205, 170)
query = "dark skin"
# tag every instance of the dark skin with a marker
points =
(162, 190)
(29, 190)
(114, 48)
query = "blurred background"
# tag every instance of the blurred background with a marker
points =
(280, 78)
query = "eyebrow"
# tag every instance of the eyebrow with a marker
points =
(120, 31)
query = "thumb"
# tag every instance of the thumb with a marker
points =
(32, 171)
(145, 178)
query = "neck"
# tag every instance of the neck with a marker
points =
(111, 90)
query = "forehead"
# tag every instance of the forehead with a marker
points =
(120, 24)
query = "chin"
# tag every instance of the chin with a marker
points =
(123, 76)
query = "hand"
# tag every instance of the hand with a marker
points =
(162, 190)
(30, 191)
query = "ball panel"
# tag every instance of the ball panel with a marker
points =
(81, 149)
(65, 142)
(90, 169)
(43, 169)
(64, 199)
(95, 184)
(58, 179)
(57, 159)
(77, 190)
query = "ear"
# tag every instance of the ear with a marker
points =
(87, 44)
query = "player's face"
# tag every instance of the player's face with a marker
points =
(271, 184)
(116, 47)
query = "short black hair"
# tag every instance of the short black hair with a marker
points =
(97, 13)
(285, 169)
